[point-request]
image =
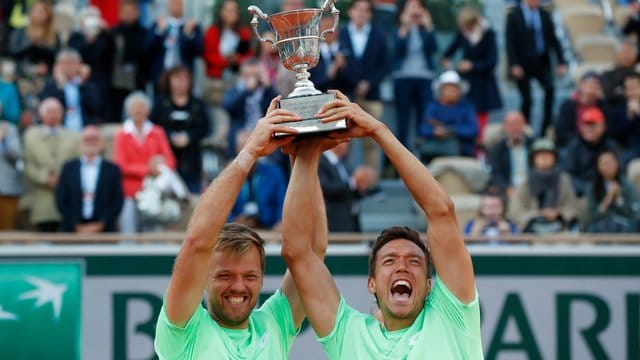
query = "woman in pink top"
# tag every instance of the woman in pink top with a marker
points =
(136, 144)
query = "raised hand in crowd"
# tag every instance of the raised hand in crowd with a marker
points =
(83, 74)
(189, 26)
(517, 72)
(364, 178)
(414, 14)
(162, 23)
(465, 66)
(613, 192)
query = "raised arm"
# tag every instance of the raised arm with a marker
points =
(318, 245)
(449, 254)
(304, 226)
(192, 264)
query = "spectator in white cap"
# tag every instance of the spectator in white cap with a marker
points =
(449, 126)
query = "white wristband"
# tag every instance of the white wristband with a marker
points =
(244, 160)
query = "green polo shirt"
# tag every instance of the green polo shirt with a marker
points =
(445, 329)
(269, 335)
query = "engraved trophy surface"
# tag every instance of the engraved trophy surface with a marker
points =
(297, 38)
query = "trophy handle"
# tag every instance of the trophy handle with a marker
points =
(329, 4)
(257, 15)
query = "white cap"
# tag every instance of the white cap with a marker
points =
(451, 77)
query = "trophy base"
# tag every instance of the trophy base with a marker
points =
(306, 107)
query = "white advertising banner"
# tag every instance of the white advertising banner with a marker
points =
(537, 303)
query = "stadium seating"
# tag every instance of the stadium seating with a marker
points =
(621, 16)
(459, 174)
(582, 20)
(596, 48)
(563, 4)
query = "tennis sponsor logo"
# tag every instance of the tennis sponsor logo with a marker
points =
(39, 310)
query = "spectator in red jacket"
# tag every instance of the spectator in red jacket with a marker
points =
(136, 144)
(109, 10)
(226, 44)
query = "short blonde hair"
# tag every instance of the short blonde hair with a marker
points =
(468, 16)
(239, 239)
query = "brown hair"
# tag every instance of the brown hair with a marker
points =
(239, 239)
(354, 2)
(468, 16)
(129, 2)
(48, 28)
(217, 16)
(402, 4)
(394, 233)
(164, 83)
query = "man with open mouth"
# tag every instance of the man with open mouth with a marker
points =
(424, 316)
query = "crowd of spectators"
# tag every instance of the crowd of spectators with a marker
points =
(120, 68)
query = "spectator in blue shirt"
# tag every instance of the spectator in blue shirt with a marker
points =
(259, 204)
(248, 100)
(449, 126)
(9, 97)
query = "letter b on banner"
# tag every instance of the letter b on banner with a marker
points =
(134, 321)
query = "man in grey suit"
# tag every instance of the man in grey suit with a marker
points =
(47, 147)
(11, 187)
(342, 189)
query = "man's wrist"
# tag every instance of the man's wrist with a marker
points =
(310, 159)
(245, 160)
(380, 132)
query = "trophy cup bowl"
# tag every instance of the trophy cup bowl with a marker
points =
(297, 38)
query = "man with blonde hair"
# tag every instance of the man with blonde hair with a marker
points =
(227, 263)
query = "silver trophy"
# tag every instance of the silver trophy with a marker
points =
(297, 37)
